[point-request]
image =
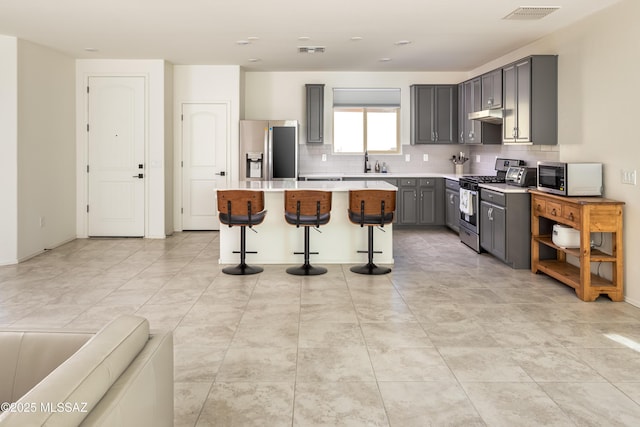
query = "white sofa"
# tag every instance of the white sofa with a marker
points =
(120, 376)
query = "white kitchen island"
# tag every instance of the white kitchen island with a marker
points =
(276, 241)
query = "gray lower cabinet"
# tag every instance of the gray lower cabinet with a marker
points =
(505, 226)
(315, 113)
(452, 204)
(420, 201)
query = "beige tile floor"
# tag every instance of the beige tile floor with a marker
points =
(448, 338)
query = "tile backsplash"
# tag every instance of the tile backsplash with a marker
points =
(438, 158)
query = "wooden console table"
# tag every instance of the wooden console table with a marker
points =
(588, 215)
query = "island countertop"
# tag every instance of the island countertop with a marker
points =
(338, 186)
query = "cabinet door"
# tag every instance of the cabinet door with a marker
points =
(408, 205)
(523, 90)
(472, 102)
(462, 113)
(509, 104)
(427, 205)
(315, 113)
(422, 111)
(446, 115)
(492, 89)
(499, 223)
(486, 226)
(452, 201)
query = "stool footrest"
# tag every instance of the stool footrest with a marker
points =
(302, 253)
(366, 252)
(246, 252)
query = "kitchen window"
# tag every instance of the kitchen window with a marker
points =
(366, 120)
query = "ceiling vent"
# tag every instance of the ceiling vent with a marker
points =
(530, 13)
(310, 49)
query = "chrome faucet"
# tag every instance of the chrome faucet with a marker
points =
(367, 166)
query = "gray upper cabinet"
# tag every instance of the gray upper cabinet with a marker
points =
(472, 102)
(492, 89)
(474, 131)
(434, 114)
(315, 113)
(530, 101)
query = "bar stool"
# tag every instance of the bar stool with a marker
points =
(373, 208)
(241, 208)
(307, 208)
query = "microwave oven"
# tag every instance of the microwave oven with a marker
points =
(570, 179)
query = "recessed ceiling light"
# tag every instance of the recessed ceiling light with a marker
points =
(253, 38)
(90, 49)
(402, 42)
(385, 59)
(243, 42)
(254, 59)
(304, 38)
(356, 38)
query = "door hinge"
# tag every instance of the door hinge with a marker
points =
(181, 163)
(182, 117)
(87, 168)
(87, 127)
(181, 210)
(87, 208)
(87, 89)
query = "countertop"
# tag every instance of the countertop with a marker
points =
(375, 175)
(338, 186)
(505, 188)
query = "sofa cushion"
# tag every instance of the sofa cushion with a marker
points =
(85, 377)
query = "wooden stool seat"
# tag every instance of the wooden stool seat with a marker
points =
(307, 208)
(241, 208)
(371, 208)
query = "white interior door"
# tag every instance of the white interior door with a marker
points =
(116, 135)
(205, 136)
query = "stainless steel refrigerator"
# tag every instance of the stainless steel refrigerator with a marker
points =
(268, 150)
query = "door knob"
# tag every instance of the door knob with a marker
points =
(222, 173)
(140, 176)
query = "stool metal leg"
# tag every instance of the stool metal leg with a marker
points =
(370, 267)
(306, 269)
(242, 268)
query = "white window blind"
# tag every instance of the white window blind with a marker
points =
(366, 97)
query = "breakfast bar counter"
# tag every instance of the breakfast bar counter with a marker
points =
(275, 241)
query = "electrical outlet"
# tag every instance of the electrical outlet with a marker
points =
(478, 158)
(425, 157)
(628, 177)
(407, 157)
(324, 157)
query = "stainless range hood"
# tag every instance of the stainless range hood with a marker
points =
(493, 116)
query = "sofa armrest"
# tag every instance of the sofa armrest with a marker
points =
(85, 377)
(143, 395)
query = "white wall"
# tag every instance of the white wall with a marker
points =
(598, 65)
(46, 149)
(8, 150)
(155, 162)
(202, 84)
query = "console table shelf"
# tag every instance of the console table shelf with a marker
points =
(588, 215)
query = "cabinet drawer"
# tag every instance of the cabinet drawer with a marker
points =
(539, 205)
(452, 184)
(427, 182)
(571, 213)
(553, 209)
(408, 182)
(492, 197)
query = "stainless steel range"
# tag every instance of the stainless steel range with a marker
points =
(470, 201)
